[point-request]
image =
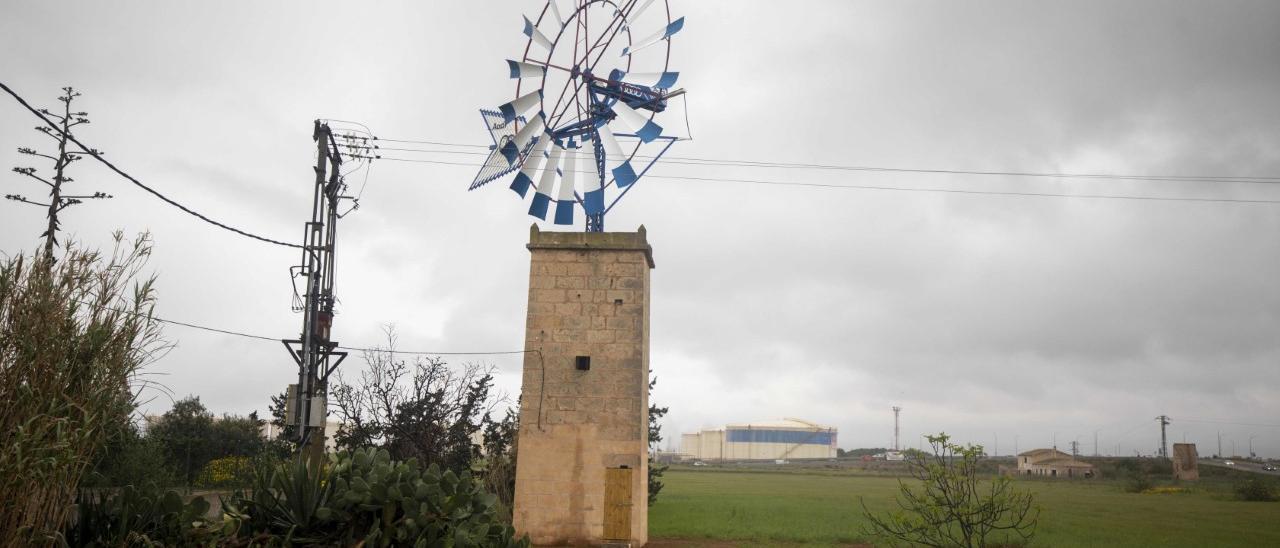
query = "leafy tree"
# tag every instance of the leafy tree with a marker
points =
(656, 470)
(427, 409)
(952, 507)
(130, 458)
(186, 433)
(236, 436)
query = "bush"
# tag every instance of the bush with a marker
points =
(1137, 481)
(73, 336)
(226, 472)
(365, 498)
(131, 459)
(951, 509)
(1256, 490)
(139, 516)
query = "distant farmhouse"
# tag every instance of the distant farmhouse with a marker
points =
(1052, 463)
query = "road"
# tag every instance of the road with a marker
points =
(1241, 465)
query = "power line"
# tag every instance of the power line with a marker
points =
(899, 189)
(838, 167)
(97, 156)
(1215, 421)
(277, 339)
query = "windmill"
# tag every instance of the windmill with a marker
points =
(588, 87)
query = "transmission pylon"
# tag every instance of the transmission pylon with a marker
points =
(314, 349)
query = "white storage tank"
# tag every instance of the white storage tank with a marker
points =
(787, 439)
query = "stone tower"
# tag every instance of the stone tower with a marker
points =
(581, 470)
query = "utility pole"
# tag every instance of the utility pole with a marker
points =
(1015, 445)
(1219, 444)
(1164, 443)
(314, 348)
(1095, 443)
(896, 411)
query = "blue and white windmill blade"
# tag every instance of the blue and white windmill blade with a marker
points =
(518, 144)
(542, 198)
(593, 195)
(656, 37)
(524, 179)
(533, 33)
(555, 10)
(565, 198)
(521, 105)
(644, 128)
(523, 70)
(658, 80)
(623, 173)
(635, 13)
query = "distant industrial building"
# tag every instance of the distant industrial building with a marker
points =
(776, 440)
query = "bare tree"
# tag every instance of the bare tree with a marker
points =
(58, 201)
(953, 507)
(425, 409)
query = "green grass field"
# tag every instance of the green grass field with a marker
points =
(762, 509)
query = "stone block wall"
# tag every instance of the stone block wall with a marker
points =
(588, 296)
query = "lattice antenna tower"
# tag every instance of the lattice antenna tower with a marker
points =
(588, 90)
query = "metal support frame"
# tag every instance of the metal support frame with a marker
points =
(314, 348)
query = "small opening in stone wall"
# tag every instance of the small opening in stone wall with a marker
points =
(617, 301)
(582, 363)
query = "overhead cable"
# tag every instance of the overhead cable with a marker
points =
(899, 189)
(838, 167)
(98, 156)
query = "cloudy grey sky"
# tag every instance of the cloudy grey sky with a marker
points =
(981, 315)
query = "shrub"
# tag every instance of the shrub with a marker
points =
(73, 336)
(365, 498)
(1137, 481)
(226, 472)
(1256, 490)
(951, 508)
(139, 516)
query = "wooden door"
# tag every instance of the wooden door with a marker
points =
(617, 504)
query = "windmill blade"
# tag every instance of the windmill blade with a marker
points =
(542, 198)
(656, 37)
(519, 106)
(532, 32)
(644, 128)
(593, 193)
(524, 179)
(525, 70)
(512, 149)
(635, 13)
(565, 198)
(622, 172)
(555, 10)
(658, 80)
(496, 165)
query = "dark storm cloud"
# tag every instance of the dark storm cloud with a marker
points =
(983, 315)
